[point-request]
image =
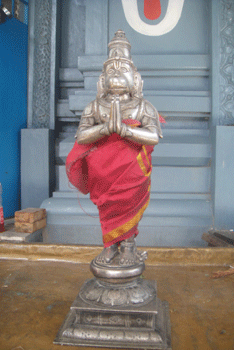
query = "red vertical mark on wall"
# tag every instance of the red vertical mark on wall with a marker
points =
(152, 9)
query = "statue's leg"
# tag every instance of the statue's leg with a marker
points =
(129, 255)
(128, 252)
(107, 255)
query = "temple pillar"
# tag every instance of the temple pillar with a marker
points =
(222, 128)
(37, 141)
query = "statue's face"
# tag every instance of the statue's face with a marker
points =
(119, 77)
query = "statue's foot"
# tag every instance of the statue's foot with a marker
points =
(107, 255)
(128, 254)
(142, 255)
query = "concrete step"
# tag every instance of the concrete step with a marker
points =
(193, 102)
(175, 149)
(153, 195)
(176, 217)
(151, 236)
(12, 236)
(165, 179)
(67, 208)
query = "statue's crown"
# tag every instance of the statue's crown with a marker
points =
(119, 46)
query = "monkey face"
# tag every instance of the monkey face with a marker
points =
(119, 77)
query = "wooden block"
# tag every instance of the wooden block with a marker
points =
(29, 227)
(214, 241)
(30, 215)
(226, 236)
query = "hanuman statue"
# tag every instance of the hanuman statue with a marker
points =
(111, 158)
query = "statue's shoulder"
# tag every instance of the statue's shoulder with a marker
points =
(90, 108)
(150, 116)
(148, 110)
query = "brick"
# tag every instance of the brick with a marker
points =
(30, 215)
(29, 227)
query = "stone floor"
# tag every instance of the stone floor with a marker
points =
(35, 297)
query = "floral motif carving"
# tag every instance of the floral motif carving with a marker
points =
(139, 292)
(226, 62)
(42, 69)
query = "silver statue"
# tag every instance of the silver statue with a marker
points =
(119, 98)
(111, 160)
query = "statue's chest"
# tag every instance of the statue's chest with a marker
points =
(126, 113)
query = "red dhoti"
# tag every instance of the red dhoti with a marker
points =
(116, 172)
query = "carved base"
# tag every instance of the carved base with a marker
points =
(124, 316)
(100, 293)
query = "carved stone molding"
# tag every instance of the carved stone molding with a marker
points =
(226, 62)
(42, 45)
(41, 88)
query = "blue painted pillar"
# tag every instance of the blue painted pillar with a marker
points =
(13, 108)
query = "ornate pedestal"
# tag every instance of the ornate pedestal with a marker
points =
(117, 309)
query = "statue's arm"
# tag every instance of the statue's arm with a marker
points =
(150, 130)
(144, 136)
(89, 131)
